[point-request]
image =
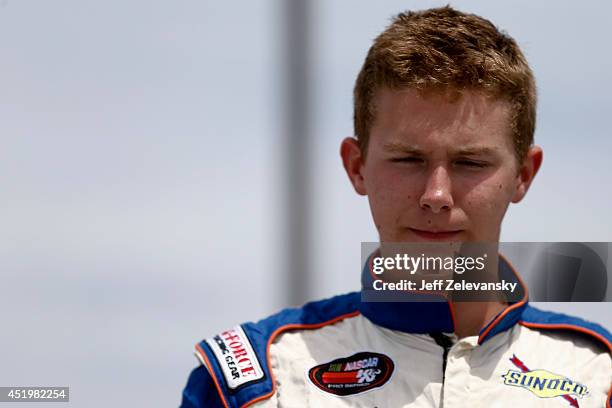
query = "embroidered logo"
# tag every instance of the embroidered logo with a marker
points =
(544, 384)
(352, 375)
(236, 357)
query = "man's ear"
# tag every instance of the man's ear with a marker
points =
(527, 172)
(353, 161)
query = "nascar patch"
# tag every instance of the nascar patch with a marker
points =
(544, 384)
(352, 375)
(236, 357)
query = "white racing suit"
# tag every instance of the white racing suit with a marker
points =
(344, 352)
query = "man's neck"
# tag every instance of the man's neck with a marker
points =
(472, 317)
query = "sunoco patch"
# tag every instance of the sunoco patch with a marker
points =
(544, 384)
(352, 375)
(236, 357)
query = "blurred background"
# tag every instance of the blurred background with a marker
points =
(171, 169)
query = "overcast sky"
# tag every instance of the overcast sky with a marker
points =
(141, 184)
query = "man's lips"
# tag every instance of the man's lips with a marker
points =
(436, 235)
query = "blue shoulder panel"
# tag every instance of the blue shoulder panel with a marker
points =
(551, 320)
(310, 316)
(200, 391)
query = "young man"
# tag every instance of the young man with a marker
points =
(444, 118)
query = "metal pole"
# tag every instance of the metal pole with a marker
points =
(297, 156)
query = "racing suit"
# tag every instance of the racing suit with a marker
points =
(345, 352)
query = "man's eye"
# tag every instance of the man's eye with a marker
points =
(471, 163)
(407, 160)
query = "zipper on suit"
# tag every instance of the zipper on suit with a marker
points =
(446, 343)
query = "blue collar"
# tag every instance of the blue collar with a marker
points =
(435, 313)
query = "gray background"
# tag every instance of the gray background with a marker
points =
(142, 189)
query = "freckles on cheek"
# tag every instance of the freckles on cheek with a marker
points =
(388, 202)
(491, 199)
(385, 187)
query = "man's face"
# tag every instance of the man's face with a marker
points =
(436, 169)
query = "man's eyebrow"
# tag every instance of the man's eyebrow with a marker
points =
(395, 147)
(474, 151)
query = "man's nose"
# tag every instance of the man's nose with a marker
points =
(437, 195)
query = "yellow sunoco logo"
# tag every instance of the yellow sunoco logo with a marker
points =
(543, 383)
